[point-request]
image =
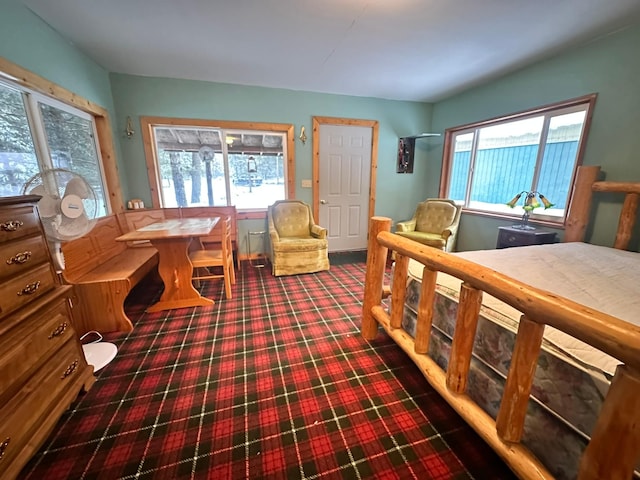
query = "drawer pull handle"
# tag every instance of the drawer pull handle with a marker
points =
(20, 258)
(11, 225)
(70, 369)
(3, 446)
(60, 329)
(30, 289)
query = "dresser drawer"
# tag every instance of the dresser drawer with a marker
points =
(25, 288)
(19, 221)
(25, 413)
(515, 237)
(19, 256)
(26, 347)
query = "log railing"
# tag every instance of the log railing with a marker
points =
(614, 448)
(578, 213)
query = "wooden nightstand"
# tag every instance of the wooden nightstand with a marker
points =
(516, 237)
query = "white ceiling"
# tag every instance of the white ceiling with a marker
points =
(422, 50)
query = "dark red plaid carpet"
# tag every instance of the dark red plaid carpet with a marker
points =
(275, 383)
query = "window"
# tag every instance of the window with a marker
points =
(487, 164)
(209, 163)
(39, 133)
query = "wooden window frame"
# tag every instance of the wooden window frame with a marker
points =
(148, 123)
(589, 100)
(32, 81)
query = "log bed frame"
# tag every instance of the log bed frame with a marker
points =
(614, 448)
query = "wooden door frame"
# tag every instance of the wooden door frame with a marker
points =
(373, 124)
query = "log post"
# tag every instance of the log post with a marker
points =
(399, 289)
(425, 310)
(374, 277)
(580, 207)
(463, 337)
(627, 221)
(614, 448)
(517, 388)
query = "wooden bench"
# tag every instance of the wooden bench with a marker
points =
(134, 219)
(103, 272)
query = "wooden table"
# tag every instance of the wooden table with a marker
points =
(172, 239)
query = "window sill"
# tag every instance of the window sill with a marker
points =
(252, 214)
(559, 224)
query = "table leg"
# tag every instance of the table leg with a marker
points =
(176, 271)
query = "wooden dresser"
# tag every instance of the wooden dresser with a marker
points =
(42, 366)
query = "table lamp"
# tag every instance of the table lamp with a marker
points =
(530, 203)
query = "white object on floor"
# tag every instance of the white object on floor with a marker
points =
(98, 353)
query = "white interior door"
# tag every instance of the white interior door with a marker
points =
(344, 182)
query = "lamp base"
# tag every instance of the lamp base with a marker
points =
(523, 227)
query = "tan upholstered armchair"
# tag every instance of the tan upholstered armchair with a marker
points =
(298, 245)
(435, 223)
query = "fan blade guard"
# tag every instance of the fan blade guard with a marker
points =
(48, 205)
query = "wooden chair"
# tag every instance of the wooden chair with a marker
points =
(204, 260)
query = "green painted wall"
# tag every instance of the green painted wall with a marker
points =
(610, 67)
(29, 42)
(143, 96)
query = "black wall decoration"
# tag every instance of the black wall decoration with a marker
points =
(406, 150)
(406, 147)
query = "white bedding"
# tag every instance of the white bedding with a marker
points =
(601, 278)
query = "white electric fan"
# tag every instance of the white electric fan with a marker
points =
(68, 207)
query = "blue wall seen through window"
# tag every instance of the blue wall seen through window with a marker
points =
(500, 172)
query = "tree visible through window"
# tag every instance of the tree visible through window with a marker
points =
(487, 164)
(204, 163)
(18, 161)
(38, 133)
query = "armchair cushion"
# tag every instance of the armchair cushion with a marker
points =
(292, 219)
(298, 244)
(435, 216)
(431, 239)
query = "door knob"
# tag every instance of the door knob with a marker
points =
(323, 202)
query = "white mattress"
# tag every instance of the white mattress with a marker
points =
(601, 278)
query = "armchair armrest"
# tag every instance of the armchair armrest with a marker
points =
(452, 230)
(406, 226)
(273, 234)
(318, 231)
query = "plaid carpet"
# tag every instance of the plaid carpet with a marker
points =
(275, 383)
